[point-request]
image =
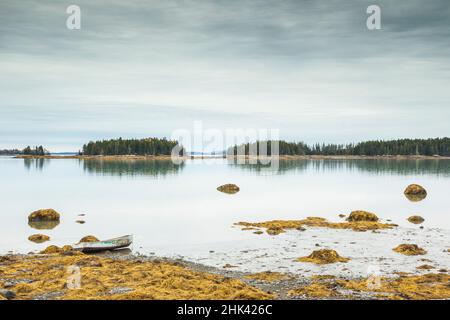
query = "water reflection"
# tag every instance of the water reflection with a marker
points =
(43, 225)
(132, 167)
(37, 164)
(439, 167)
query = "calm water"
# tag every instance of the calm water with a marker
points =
(176, 209)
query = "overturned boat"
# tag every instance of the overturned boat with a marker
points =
(111, 244)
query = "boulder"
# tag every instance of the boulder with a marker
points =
(361, 215)
(416, 219)
(415, 192)
(409, 249)
(228, 188)
(44, 215)
(323, 256)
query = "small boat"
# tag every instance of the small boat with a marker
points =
(111, 244)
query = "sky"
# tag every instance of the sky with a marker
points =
(311, 69)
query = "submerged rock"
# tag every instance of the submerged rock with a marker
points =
(89, 239)
(228, 188)
(44, 215)
(360, 215)
(409, 249)
(416, 219)
(323, 256)
(415, 192)
(38, 238)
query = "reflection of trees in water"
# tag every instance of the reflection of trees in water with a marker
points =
(37, 164)
(375, 166)
(132, 167)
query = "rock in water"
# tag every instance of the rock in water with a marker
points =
(44, 215)
(229, 188)
(415, 192)
(38, 238)
(416, 219)
(323, 256)
(409, 249)
(361, 215)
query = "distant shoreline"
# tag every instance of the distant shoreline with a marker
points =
(86, 157)
(282, 157)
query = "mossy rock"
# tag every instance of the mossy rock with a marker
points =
(44, 215)
(415, 192)
(323, 256)
(416, 219)
(55, 249)
(228, 188)
(360, 215)
(409, 249)
(38, 238)
(89, 239)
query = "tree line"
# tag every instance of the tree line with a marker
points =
(36, 151)
(424, 147)
(147, 146)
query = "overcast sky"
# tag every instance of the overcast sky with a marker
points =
(145, 68)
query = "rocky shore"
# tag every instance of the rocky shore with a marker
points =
(123, 275)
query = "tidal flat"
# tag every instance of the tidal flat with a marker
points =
(178, 216)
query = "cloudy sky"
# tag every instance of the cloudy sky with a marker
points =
(146, 68)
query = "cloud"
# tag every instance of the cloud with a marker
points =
(304, 66)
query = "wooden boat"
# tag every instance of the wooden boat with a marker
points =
(111, 244)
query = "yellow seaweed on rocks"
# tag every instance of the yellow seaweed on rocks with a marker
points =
(38, 238)
(55, 249)
(360, 215)
(314, 290)
(409, 249)
(275, 227)
(267, 276)
(100, 277)
(44, 215)
(323, 256)
(428, 286)
(425, 267)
